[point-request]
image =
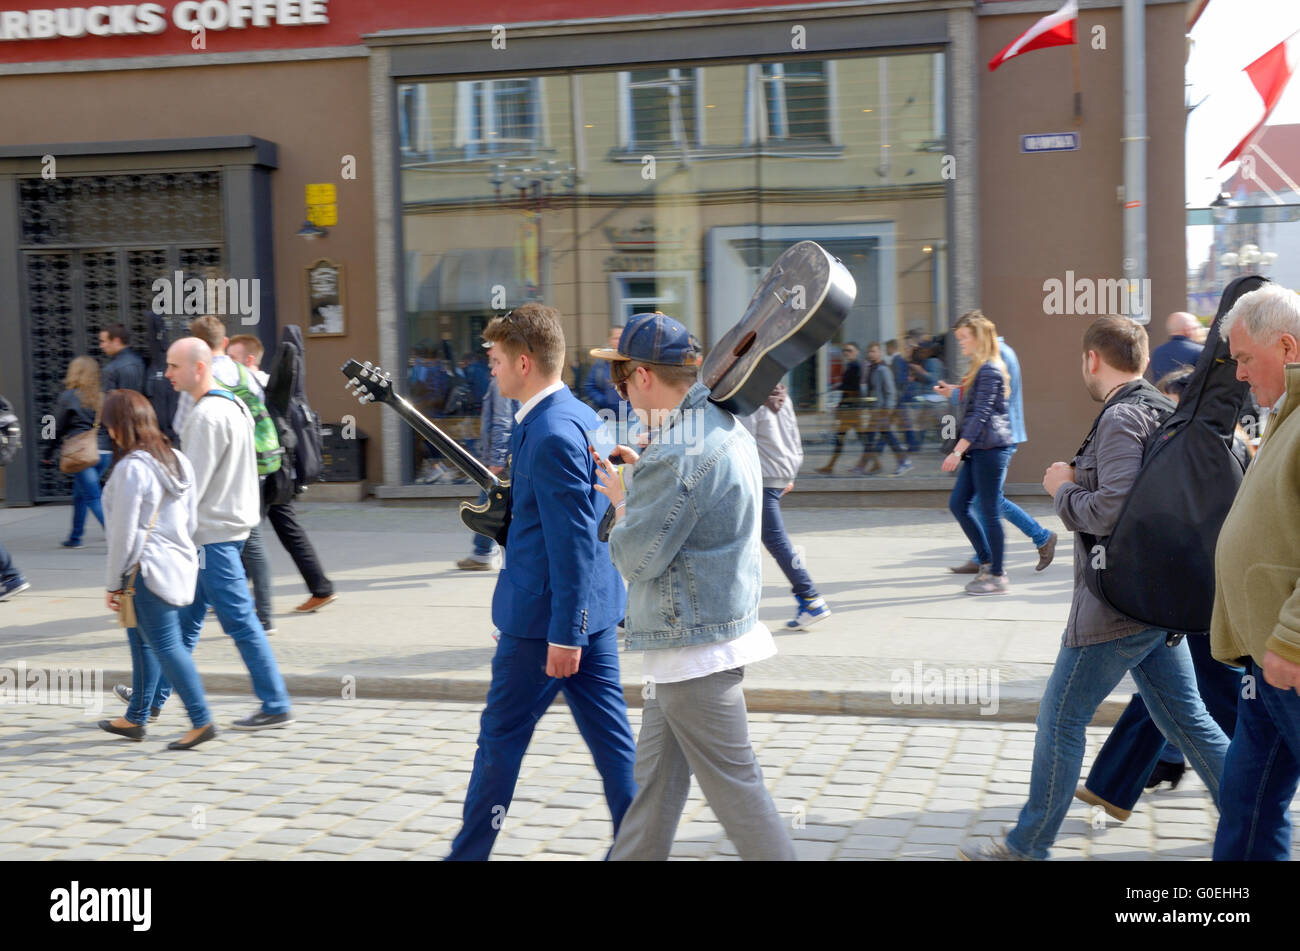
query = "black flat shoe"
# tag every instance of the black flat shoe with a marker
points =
(1171, 773)
(208, 733)
(130, 732)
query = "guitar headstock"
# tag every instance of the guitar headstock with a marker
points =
(368, 383)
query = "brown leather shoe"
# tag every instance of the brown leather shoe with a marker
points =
(971, 567)
(1084, 794)
(314, 604)
(1047, 552)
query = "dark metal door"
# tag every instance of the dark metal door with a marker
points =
(92, 248)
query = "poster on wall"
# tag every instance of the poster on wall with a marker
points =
(325, 299)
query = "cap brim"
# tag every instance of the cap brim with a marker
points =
(608, 353)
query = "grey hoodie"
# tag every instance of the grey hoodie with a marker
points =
(169, 563)
(775, 430)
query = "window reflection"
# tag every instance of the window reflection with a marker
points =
(673, 188)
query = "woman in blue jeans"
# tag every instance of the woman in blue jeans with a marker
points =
(77, 411)
(985, 443)
(152, 513)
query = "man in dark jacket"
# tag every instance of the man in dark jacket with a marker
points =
(123, 371)
(1181, 349)
(1100, 645)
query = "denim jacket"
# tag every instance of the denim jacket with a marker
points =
(688, 543)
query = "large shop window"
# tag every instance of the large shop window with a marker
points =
(673, 187)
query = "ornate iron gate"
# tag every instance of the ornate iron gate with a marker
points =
(92, 248)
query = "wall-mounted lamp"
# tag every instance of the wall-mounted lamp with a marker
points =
(311, 232)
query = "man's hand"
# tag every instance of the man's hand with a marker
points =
(562, 661)
(1057, 474)
(1280, 672)
(114, 600)
(944, 389)
(627, 454)
(611, 480)
(787, 489)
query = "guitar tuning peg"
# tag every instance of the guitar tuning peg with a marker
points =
(367, 365)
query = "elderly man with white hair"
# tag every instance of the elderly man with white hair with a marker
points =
(1181, 349)
(1256, 620)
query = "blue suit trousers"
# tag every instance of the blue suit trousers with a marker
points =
(520, 693)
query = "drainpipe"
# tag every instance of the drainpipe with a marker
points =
(1135, 159)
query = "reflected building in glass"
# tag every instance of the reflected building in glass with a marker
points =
(612, 192)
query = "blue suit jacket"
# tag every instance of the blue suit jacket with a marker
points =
(559, 583)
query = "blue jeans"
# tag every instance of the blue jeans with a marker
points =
(86, 494)
(1022, 520)
(979, 490)
(520, 693)
(222, 584)
(483, 546)
(1119, 773)
(1260, 776)
(157, 650)
(8, 573)
(258, 567)
(777, 542)
(1082, 678)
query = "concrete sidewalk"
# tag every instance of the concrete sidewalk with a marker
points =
(408, 625)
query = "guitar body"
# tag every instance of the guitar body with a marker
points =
(492, 518)
(804, 297)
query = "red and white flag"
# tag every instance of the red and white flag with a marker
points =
(1268, 77)
(1056, 29)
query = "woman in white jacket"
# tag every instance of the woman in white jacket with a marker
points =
(150, 512)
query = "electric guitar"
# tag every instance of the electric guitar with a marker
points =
(370, 383)
(803, 298)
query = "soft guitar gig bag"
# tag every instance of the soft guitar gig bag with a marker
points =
(1157, 566)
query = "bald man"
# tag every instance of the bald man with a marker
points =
(1181, 349)
(218, 439)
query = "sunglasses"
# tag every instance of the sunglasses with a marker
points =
(509, 318)
(620, 371)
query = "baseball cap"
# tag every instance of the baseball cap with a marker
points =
(654, 338)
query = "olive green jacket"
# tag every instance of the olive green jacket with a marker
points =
(1257, 559)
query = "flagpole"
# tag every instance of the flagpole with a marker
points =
(1078, 92)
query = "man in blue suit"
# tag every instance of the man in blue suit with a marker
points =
(559, 600)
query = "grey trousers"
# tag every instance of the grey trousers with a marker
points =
(699, 726)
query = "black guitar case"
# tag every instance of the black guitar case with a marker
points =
(1157, 566)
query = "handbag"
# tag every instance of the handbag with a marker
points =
(126, 603)
(81, 451)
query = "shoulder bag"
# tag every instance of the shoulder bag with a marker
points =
(80, 451)
(126, 603)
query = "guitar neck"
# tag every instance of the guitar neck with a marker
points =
(453, 450)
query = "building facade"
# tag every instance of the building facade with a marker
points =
(659, 158)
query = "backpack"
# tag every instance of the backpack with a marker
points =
(11, 434)
(266, 440)
(1158, 564)
(286, 398)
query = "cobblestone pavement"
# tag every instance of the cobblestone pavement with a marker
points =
(386, 779)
